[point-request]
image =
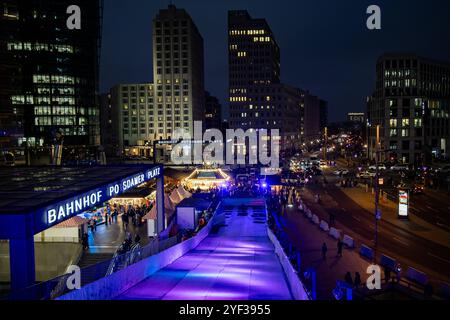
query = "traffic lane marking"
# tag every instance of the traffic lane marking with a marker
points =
(438, 257)
(400, 241)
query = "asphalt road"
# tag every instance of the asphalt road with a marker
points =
(409, 249)
(431, 206)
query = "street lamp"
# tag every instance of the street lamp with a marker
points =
(377, 185)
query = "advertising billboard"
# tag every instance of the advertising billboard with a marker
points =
(403, 203)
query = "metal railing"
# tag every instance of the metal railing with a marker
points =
(56, 287)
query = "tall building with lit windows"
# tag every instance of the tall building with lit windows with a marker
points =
(48, 73)
(411, 107)
(257, 99)
(178, 73)
(128, 119)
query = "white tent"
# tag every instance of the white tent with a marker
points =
(182, 196)
(151, 214)
(183, 192)
(175, 197)
(169, 206)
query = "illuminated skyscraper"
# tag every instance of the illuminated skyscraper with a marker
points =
(48, 73)
(257, 99)
(411, 106)
(178, 73)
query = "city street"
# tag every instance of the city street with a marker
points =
(405, 246)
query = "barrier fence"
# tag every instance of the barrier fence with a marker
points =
(413, 278)
(58, 286)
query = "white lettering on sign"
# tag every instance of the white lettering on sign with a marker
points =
(69, 208)
(62, 211)
(153, 173)
(132, 182)
(113, 190)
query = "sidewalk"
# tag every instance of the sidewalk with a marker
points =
(388, 208)
(308, 238)
(108, 238)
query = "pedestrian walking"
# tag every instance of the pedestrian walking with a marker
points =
(331, 218)
(348, 279)
(324, 251)
(85, 241)
(357, 280)
(115, 215)
(387, 274)
(92, 225)
(340, 245)
(125, 221)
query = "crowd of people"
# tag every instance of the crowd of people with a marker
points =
(131, 215)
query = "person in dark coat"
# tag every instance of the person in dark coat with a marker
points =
(348, 279)
(137, 238)
(85, 241)
(125, 220)
(387, 274)
(324, 251)
(340, 245)
(357, 280)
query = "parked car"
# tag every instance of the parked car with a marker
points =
(340, 172)
(399, 167)
(417, 189)
(380, 167)
(366, 174)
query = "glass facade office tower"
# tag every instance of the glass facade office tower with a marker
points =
(48, 73)
(411, 106)
(257, 99)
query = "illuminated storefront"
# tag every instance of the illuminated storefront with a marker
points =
(34, 199)
(206, 179)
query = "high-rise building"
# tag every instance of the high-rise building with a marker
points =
(213, 112)
(150, 112)
(135, 126)
(48, 73)
(109, 124)
(314, 113)
(323, 114)
(178, 73)
(257, 99)
(410, 107)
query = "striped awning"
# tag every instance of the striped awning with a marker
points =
(72, 222)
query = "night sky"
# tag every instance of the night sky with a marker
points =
(325, 45)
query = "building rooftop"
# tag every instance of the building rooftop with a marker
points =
(26, 189)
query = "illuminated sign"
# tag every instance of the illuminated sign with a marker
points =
(403, 203)
(63, 210)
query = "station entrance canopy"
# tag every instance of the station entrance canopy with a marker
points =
(33, 199)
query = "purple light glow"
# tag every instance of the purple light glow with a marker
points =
(237, 263)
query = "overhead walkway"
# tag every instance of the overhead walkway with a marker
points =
(237, 262)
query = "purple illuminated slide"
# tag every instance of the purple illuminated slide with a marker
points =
(236, 263)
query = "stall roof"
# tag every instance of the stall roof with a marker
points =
(25, 189)
(177, 174)
(33, 199)
(194, 202)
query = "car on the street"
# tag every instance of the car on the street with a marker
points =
(341, 172)
(417, 188)
(366, 174)
(399, 167)
(444, 169)
(380, 167)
